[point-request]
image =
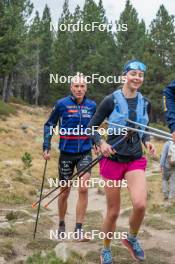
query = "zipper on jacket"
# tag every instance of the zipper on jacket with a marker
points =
(79, 108)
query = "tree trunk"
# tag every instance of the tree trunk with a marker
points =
(36, 89)
(5, 89)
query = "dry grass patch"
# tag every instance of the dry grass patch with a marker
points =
(7, 250)
(158, 223)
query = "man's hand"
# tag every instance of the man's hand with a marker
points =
(161, 169)
(46, 155)
(106, 149)
(96, 150)
(173, 135)
(151, 148)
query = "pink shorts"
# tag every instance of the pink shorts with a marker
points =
(114, 170)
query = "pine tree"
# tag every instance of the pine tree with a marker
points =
(97, 48)
(63, 58)
(32, 63)
(13, 29)
(163, 35)
(45, 57)
(130, 43)
(159, 57)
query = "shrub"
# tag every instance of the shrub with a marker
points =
(6, 109)
(27, 160)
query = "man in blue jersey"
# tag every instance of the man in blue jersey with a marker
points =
(73, 113)
(169, 106)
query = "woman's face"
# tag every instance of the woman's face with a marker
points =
(134, 79)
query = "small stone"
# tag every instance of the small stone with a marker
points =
(2, 260)
(43, 254)
(8, 162)
(31, 221)
(62, 251)
(5, 225)
(3, 219)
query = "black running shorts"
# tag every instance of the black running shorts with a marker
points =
(68, 161)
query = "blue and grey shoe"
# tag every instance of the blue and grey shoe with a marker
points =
(106, 256)
(134, 248)
(61, 232)
(79, 235)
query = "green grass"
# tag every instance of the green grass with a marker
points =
(42, 244)
(153, 178)
(7, 250)
(93, 256)
(158, 223)
(51, 258)
(7, 232)
(156, 209)
(160, 126)
(153, 256)
(21, 176)
(13, 199)
(21, 179)
(17, 100)
(126, 213)
(93, 220)
(171, 209)
(3, 130)
(14, 215)
(6, 109)
(121, 255)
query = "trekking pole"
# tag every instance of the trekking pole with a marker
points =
(140, 130)
(45, 196)
(150, 128)
(95, 161)
(81, 174)
(41, 191)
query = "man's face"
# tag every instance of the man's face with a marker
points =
(78, 88)
(134, 79)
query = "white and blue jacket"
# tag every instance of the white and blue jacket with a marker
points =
(70, 115)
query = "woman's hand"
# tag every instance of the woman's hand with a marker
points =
(173, 135)
(161, 169)
(96, 150)
(106, 149)
(151, 148)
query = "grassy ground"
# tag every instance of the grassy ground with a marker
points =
(19, 188)
(6, 110)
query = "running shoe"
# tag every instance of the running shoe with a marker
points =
(134, 248)
(79, 235)
(61, 232)
(166, 196)
(106, 256)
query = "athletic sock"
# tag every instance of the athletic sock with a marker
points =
(78, 226)
(61, 223)
(133, 234)
(107, 243)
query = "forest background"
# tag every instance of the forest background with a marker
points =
(31, 49)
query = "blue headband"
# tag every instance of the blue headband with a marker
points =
(134, 65)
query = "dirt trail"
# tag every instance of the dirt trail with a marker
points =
(162, 239)
(19, 187)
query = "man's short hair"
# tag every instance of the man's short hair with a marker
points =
(79, 77)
